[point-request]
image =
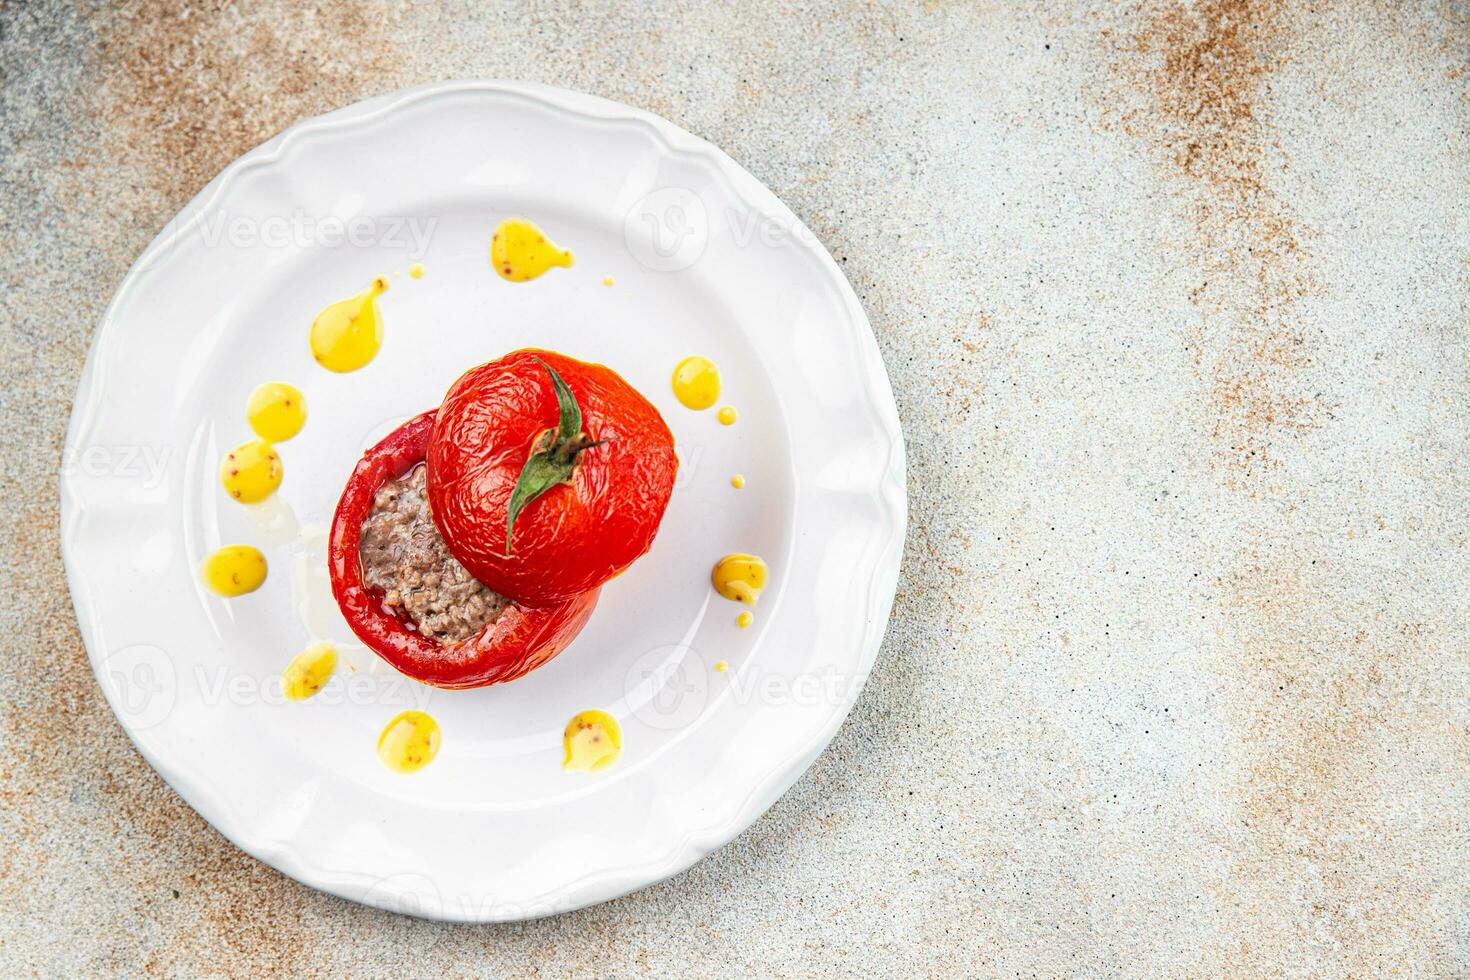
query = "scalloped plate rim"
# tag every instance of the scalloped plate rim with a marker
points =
(890, 490)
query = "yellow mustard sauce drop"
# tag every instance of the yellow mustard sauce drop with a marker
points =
(721, 666)
(251, 472)
(737, 481)
(276, 411)
(740, 577)
(607, 280)
(409, 742)
(744, 620)
(520, 251)
(696, 382)
(416, 270)
(593, 741)
(346, 335)
(234, 570)
(309, 671)
(727, 415)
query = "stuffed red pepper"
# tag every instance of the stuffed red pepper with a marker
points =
(405, 595)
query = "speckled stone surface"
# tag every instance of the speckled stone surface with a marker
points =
(1174, 302)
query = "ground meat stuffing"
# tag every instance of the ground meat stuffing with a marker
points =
(404, 559)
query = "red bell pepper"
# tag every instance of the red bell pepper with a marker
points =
(517, 642)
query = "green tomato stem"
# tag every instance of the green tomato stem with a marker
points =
(555, 457)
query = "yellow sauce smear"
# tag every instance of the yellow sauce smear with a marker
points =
(251, 472)
(409, 742)
(416, 270)
(721, 666)
(593, 741)
(234, 570)
(737, 481)
(309, 671)
(276, 411)
(607, 280)
(347, 335)
(696, 382)
(520, 251)
(740, 577)
(727, 415)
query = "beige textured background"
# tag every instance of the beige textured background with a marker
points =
(1174, 301)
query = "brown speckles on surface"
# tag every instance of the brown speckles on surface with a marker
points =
(1207, 65)
(1330, 680)
(1197, 88)
(1323, 857)
(187, 89)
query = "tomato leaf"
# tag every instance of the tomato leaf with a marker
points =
(570, 424)
(555, 457)
(542, 471)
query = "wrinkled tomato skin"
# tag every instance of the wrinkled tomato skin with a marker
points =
(518, 642)
(577, 535)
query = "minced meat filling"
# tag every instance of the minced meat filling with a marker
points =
(405, 559)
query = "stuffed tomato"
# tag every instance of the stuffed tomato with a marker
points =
(548, 475)
(405, 596)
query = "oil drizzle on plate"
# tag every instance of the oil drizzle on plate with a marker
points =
(520, 251)
(593, 741)
(276, 411)
(309, 671)
(696, 382)
(234, 570)
(409, 742)
(251, 472)
(348, 334)
(740, 577)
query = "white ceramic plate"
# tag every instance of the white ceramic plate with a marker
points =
(705, 260)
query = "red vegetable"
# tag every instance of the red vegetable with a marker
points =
(517, 642)
(548, 475)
